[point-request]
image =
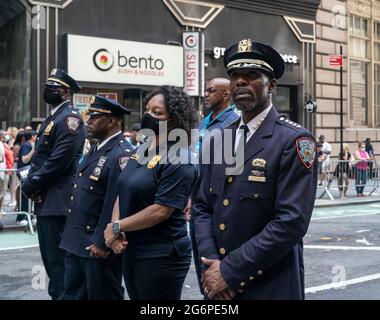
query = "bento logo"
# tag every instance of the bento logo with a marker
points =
(103, 60)
(191, 41)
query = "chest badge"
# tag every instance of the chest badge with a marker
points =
(98, 169)
(152, 163)
(48, 128)
(123, 160)
(259, 170)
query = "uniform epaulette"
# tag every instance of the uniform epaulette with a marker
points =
(284, 120)
(125, 145)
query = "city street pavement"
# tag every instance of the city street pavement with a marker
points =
(342, 249)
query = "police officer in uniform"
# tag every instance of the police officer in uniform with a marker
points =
(250, 224)
(152, 192)
(90, 271)
(57, 152)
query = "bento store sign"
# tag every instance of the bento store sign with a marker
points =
(125, 62)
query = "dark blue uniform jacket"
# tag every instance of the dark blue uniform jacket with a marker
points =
(93, 196)
(254, 222)
(58, 149)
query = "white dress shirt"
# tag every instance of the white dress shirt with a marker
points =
(55, 109)
(252, 125)
(105, 141)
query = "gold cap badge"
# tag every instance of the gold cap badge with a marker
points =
(245, 45)
(53, 72)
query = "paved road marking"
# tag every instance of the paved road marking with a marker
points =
(364, 241)
(362, 231)
(18, 248)
(346, 216)
(342, 284)
(341, 248)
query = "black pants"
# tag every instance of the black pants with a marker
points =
(50, 229)
(197, 261)
(93, 279)
(155, 278)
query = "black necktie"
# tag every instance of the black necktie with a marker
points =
(242, 141)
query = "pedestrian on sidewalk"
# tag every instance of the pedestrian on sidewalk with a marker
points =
(371, 153)
(361, 172)
(325, 159)
(343, 170)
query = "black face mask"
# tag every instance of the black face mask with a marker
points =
(52, 97)
(150, 122)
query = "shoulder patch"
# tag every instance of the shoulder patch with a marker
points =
(123, 160)
(73, 123)
(306, 150)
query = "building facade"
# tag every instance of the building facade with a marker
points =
(354, 24)
(125, 48)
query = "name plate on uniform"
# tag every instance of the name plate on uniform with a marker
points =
(257, 179)
(98, 169)
(258, 172)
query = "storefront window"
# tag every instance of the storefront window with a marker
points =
(133, 99)
(359, 92)
(284, 99)
(281, 99)
(15, 69)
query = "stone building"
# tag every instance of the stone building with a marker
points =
(356, 25)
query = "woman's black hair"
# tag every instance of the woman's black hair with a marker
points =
(179, 106)
(19, 138)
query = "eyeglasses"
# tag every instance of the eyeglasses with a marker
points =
(212, 90)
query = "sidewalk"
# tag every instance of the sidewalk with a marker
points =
(351, 199)
(322, 203)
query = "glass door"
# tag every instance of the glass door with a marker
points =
(285, 100)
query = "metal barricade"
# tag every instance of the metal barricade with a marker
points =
(342, 174)
(9, 207)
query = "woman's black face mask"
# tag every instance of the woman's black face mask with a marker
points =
(150, 122)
